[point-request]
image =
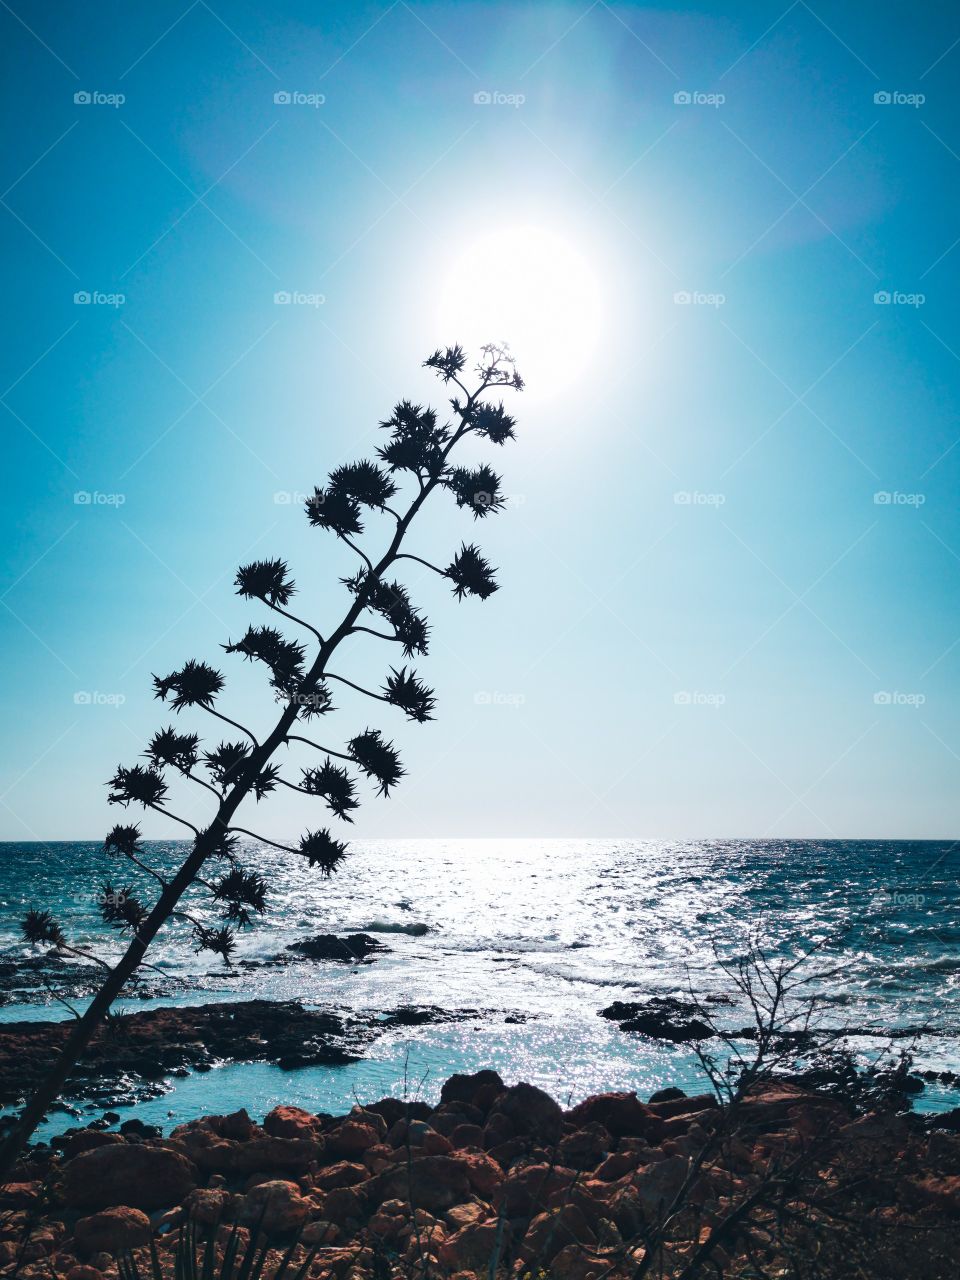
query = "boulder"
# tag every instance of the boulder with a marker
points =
(281, 1205)
(622, 1114)
(530, 1111)
(483, 1172)
(473, 1247)
(524, 1192)
(586, 1147)
(209, 1205)
(343, 1174)
(478, 1089)
(350, 1138)
(550, 1232)
(348, 950)
(112, 1230)
(434, 1183)
(291, 1122)
(140, 1176)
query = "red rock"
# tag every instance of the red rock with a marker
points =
(524, 1192)
(623, 1115)
(473, 1247)
(466, 1136)
(576, 1263)
(281, 1204)
(586, 1147)
(344, 1174)
(138, 1175)
(434, 1183)
(617, 1165)
(209, 1205)
(113, 1230)
(350, 1138)
(483, 1173)
(319, 1232)
(530, 1111)
(464, 1215)
(262, 1153)
(550, 1232)
(237, 1126)
(479, 1089)
(684, 1106)
(21, 1195)
(87, 1140)
(291, 1122)
(345, 1205)
(81, 1272)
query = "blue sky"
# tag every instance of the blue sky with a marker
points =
(709, 624)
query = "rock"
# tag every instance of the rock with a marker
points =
(345, 1206)
(435, 1183)
(134, 1128)
(348, 950)
(483, 1173)
(124, 1174)
(82, 1272)
(586, 1147)
(550, 1232)
(343, 1174)
(113, 1230)
(479, 1089)
(658, 1184)
(21, 1195)
(524, 1191)
(661, 1018)
(281, 1205)
(466, 1137)
(667, 1095)
(576, 1263)
(464, 1215)
(682, 1105)
(262, 1153)
(351, 1138)
(473, 1247)
(530, 1111)
(81, 1140)
(319, 1232)
(291, 1122)
(622, 1114)
(391, 1110)
(209, 1205)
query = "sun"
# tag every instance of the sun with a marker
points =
(530, 288)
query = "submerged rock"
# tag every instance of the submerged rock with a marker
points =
(348, 950)
(660, 1018)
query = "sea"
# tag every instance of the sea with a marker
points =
(526, 941)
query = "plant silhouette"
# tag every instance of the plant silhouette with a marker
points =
(416, 455)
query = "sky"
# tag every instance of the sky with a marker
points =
(727, 239)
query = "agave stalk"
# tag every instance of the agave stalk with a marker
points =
(417, 447)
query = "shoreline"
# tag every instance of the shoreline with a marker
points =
(400, 1188)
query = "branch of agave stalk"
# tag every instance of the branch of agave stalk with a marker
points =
(83, 1031)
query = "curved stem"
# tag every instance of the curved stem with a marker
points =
(167, 814)
(392, 512)
(200, 783)
(227, 720)
(329, 675)
(263, 840)
(294, 737)
(381, 635)
(293, 618)
(149, 870)
(405, 555)
(362, 554)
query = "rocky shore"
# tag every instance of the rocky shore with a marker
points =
(132, 1054)
(498, 1180)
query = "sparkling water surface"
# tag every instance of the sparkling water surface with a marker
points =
(538, 935)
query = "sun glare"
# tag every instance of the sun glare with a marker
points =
(532, 289)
